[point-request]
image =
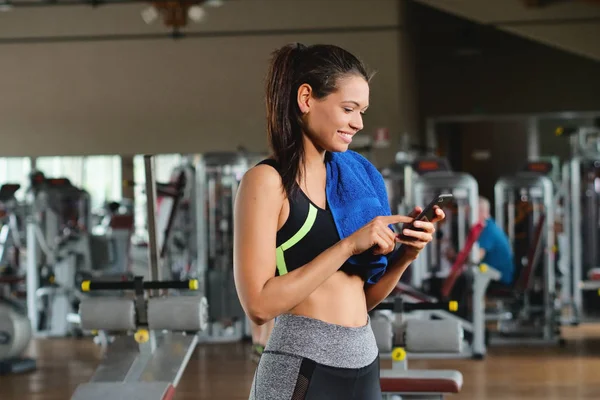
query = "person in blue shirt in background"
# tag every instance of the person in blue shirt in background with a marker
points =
(494, 246)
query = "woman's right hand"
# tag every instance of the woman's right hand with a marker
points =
(377, 235)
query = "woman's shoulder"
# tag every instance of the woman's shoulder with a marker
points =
(264, 176)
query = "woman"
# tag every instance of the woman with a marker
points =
(290, 264)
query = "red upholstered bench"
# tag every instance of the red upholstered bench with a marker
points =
(416, 384)
(11, 279)
(594, 274)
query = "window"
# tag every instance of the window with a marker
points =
(100, 176)
(102, 179)
(62, 167)
(16, 170)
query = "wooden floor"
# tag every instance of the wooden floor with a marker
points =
(220, 372)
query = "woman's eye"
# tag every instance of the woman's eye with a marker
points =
(348, 110)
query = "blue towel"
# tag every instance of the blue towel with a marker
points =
(356, 194)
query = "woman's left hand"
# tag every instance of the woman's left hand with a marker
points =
(413, 240)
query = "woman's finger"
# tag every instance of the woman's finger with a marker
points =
(390, 237)
(382, 244)
(386, 232)
(439, 215)
(425, 226)
(394, 219)
(422, 236)
(412, 243)
(416, 211)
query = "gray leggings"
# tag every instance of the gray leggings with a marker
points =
(309, 359)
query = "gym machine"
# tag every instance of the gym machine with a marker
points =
(12, 275)
(459, 230)
(524, 209)
(57, 249)
(15, 327)
(64, 249)
(550, 167)
(195, 233)
(15, 335)
(429, 282)
(10, 232)
(110, 239)
(218, 176)
(149, 364)
(398, 179)
(583, 213)
(434, 178)
(393, 329)
(468, 323)
(401, 383)
(177, 216)
(175, 223)
(444, 335)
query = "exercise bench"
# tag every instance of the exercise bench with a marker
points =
(421, 335)
(408, 384)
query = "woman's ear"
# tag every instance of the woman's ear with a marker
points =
(304, 95)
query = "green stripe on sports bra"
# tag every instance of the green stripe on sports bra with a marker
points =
(303, 231)
(281, 267)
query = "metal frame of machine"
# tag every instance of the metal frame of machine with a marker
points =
(10, 235)
(584, 152)
(398, 179)
(464, 188)
(540, 190)
(48, 246)
(62, 249)
(15, 327)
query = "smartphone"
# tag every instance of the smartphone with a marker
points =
(441, 201)
(428, 212)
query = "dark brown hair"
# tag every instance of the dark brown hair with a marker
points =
(320, 66)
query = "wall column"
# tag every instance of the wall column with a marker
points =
(409, 89)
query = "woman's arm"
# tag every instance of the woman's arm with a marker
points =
(379, 291)
(263, 296)
(402, 258)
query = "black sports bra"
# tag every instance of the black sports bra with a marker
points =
(308, 231)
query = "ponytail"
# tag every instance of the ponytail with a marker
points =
(283, 115)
